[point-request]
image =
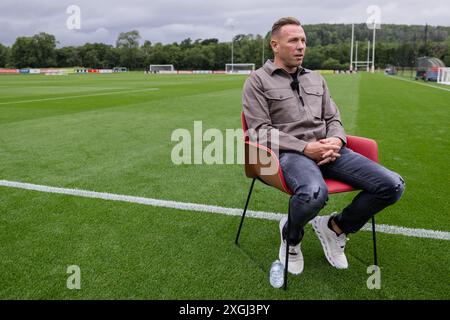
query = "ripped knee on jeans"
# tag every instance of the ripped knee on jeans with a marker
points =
(396, 189)
(402, 184)
(315, 196)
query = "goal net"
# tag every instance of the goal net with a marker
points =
(162, 68)
(239, 68)
(443, 76)
(120, 69)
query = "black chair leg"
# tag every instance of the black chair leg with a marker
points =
(286, 261)
(245, 210)
(375, 260)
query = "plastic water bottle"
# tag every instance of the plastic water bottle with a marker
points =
(276, 276)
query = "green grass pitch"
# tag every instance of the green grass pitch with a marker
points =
(112, 133)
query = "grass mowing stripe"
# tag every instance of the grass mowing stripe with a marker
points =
(347, 103)
(422, 84)
(410, 124)
(418, 233)
(79, 96)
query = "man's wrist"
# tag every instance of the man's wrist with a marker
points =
(339, 142)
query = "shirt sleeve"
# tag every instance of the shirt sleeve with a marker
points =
(257, 114)
(334, 127)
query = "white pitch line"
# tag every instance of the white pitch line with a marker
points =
(383, 228)
(80, 96)
(422, 84)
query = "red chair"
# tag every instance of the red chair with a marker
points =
(265, 157)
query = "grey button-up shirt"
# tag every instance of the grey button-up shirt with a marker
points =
(270, 103)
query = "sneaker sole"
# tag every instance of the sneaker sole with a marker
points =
(283, 259)
(324, 246)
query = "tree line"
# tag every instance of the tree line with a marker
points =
(328, 47)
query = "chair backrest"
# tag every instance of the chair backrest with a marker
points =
(365, 146)
(261, 162)
(263, 155)
(244, 127)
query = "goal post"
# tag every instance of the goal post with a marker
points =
(161, 68)
(443, 76)
(120, 69)
(239, 68)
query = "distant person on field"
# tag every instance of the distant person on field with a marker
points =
(296, 102)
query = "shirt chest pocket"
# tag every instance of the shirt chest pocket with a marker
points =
(314, 95)
(283, 105)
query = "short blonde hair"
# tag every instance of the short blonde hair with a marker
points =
(282, 22)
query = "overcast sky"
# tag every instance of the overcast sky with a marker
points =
(168, 21)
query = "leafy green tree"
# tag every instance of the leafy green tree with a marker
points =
(4, 56)
(68, 57)
(36, 51)
(328, 45)
(128, 46)
(195, 58)
(313, 58)
(146, 48)
(23, 53)
(45, 45)
(222, 56)
(209, 41)
(99, 55)
(186, 43)
(91, 60)
(331, 64)
(158, 55)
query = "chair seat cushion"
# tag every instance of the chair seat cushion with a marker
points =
(335, 186)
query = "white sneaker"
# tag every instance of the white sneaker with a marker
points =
(333, 245)
(295, 264)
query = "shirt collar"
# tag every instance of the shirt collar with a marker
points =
(270, 67)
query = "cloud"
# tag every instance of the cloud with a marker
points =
(169, 21)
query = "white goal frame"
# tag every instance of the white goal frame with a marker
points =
(161, 68)
(238, 68)
(443, 76)
(120, 69)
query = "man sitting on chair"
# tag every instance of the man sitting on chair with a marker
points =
(295, 102)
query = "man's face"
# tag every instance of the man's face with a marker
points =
(289, 45)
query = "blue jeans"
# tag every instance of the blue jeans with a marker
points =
(380, 188)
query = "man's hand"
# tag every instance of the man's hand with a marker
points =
(330, 155)
(332, 140)
(322, 152)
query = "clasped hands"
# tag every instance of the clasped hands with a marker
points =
(323, 151)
